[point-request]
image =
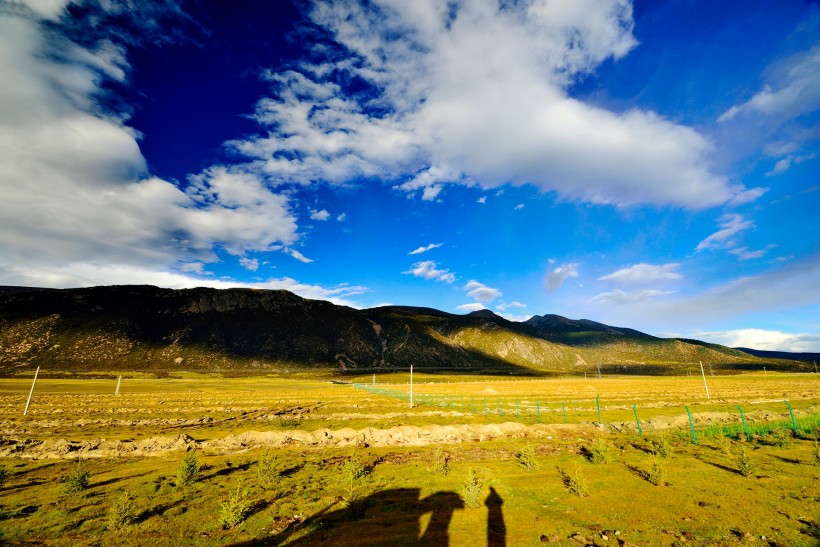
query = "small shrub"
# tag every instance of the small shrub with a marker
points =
(745, 464)
(353, 471)
(663, 447)
(723, 443)
(781, 437)
(599, 452)
(78, 479)
(472, 490)
(122, 511)
(526, 458)
(441, 462)
(574, 481)
(188, 469)
(655, 473)
(234, 510)
(267, 469)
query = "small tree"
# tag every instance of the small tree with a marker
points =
(234, 510)
(122, 511)
(188, 469)
(472, 490)
(745, 464)
(78, 479)
(441, 462)
(526, 458)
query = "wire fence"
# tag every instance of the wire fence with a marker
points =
(623, 416)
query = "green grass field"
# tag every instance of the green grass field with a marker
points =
(301, 461)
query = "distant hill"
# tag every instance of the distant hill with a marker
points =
(807, 357)
(153, 329)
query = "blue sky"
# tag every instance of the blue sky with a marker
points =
(651, 165)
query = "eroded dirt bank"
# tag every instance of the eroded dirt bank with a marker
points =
(11, 447)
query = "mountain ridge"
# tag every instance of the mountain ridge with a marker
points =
(142, 327)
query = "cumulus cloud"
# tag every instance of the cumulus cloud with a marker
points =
(482, 199)
(74, 187)
(429, 247)
(475, 93)
(480, 291)
(342, 217)
(762, 339)
(428, 270)
(514, 304)
(644, 273)
(319, 215)
(555, 278)
(730, 225)
(474, 306)
(250, 264)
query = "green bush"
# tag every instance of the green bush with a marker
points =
(78, 479)
(526, 458)
(353, 473)
(188, 470)
(574, 481)
(234, 510)
(781, 437)
(472, 490)
(441, 462)
(723, 443)
(267, 470)
(122, 511)
(599, 452)
(745, 464)
(655, 473)
(663, 447)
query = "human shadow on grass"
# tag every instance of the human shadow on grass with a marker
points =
(390, 517)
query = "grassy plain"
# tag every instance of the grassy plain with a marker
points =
(278, 452)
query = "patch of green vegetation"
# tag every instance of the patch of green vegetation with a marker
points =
(188, 470)
(78, 479)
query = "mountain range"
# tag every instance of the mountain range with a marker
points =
(146, 328)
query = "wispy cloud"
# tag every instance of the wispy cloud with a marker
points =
(251, 264)
(743, 253)
(555, 278)
(428, 269)
(507, 305)
(762, 339)
(619, 296)
(481, 292)
(297, 255)
(644, 273)
(729, 226)
(429, 247)
(473, 306)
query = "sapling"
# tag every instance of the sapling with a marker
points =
(122, 511)
(441, 462)
(655, 473)
(526, 458)
(267, 469)
(663, 447)
(599, 452)
(188, 469)
(472, 490)
(78, 479)
(574, 481)
(745, 465)
(234, 510)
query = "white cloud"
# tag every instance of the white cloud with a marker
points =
(429, 247)
(194, 267)
(474, 306)
(481, 292)
(475, 93)
(514, 304)
(342, 217)
(74, 187)
(251, 264)
(518, 207)
(730, 225)
(297, 255)
(482, 199)
(796, 91)
(762, 339)
(644, 273)
(428, 270)
(618, 296)
(743, 253)
(319, 215)
(554, 279)
(88, 275)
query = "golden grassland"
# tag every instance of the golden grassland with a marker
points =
(286, 476)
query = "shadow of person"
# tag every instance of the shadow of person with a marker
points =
(442, 505)
(389, 517)
(496, 529)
